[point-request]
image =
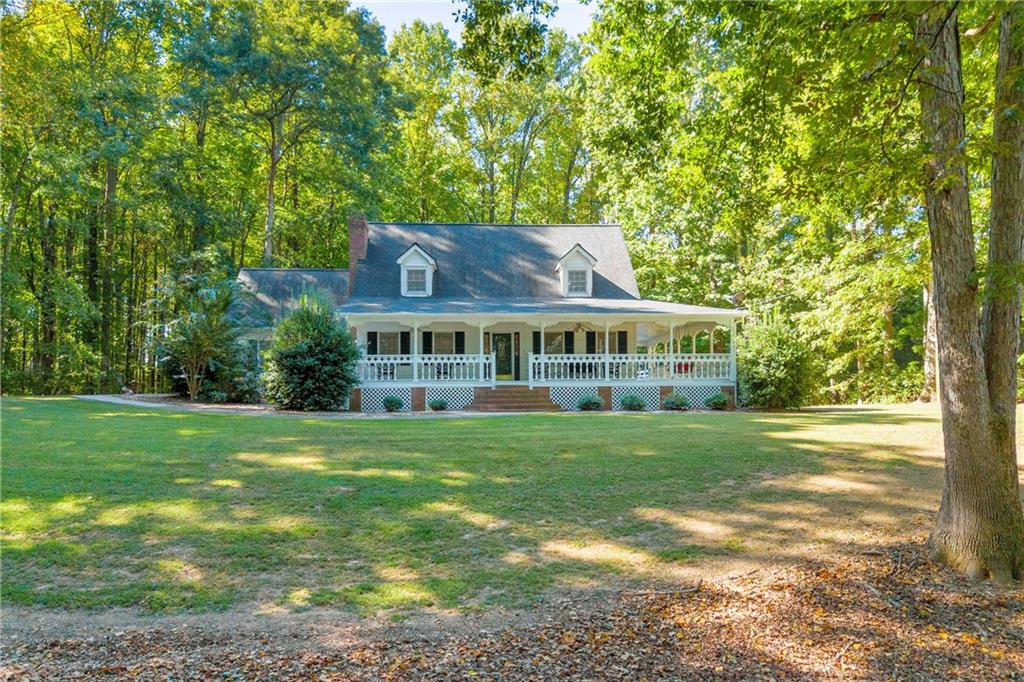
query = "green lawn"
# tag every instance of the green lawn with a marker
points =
(114, 506)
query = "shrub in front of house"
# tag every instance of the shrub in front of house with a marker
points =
(676, 402)
(774, 367)
(393, 403)
(202, 343)
(230, 378)
(632, 403)
(311, 362)
(590, 403)
(438, 405)
(718, 401)
(201, 355)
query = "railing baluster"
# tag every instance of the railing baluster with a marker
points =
(479, 369)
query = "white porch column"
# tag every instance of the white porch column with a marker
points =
(732, 351)
(415, 351)
(672, 349)
(543, 367)
(607, 360)
(480, 345)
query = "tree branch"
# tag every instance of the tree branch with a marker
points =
(910, 78)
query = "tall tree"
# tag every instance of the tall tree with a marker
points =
(819, 101)
(980, 526)
(312, 68)
(427, 156)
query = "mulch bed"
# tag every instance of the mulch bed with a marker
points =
(885, 615)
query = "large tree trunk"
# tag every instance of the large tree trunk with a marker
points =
(47, 304)
(930, 351)
(980, 525)
(275, 157)
(200, 220)
(129, 324)
(1002, 317)
(107, 273)
(531, 128)
(92, 268)
(567, 186)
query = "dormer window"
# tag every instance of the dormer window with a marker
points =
(577, 283)
(418, 269)
(576, 270)
(416, 280)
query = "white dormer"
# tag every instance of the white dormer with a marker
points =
(576, 269)
(418, 268)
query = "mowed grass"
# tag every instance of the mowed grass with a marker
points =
(105, 505)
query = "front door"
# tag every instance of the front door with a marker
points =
(502, 356)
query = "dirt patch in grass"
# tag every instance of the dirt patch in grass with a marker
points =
(884, 614)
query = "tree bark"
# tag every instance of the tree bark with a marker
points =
(200, 220)
(92, 268)
(567, 186)
(531, 127)
(980, 525)
(1001, 321)
(129, 325)
(275, 157)
(931, 360)
(107, 274)
(889, 336)
(47, 304)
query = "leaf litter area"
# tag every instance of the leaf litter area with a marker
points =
(887, 614)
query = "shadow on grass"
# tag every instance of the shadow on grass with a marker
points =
(171, 511)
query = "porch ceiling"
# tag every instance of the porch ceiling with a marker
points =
(530, 308)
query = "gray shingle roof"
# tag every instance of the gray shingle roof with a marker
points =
(481, 269)
(528, 306)
(276, 291)
(482, 261)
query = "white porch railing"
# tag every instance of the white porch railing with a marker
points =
(457, 369)
(547, 370)
(464, 370)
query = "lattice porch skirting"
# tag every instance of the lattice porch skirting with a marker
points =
(458, 397)
(567, 397)
(697, 395)
(651, 395)
(373, 398)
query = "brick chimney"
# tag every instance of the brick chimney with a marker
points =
(358, 236)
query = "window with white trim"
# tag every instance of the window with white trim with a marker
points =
(444, 343)
(578, 282)
(554, 343)
(416, 280)
(389, 343)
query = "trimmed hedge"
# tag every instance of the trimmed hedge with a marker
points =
(632, 403)
(311, 363)
(676, 402)
(718, 401)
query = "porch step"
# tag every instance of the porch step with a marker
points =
(515, 398)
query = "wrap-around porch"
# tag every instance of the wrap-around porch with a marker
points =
(404, 351)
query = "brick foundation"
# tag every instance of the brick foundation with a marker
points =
(419, 399)
(605, 394)
(355, 401)
(730, 393)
